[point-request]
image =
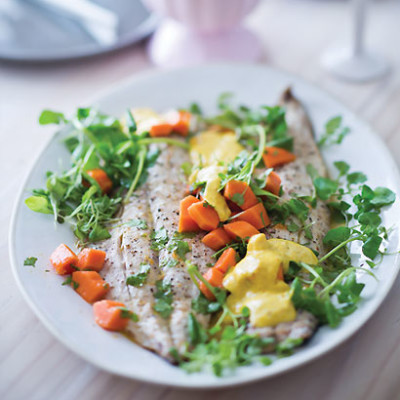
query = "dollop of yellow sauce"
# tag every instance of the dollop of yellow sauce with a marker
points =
(211, 148)
(254, 282)
(211, 191)
(210, 151)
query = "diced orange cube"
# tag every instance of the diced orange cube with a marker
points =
(186, 223)
(89, 285)
(63, 259)
(107, 314)
(241, 194)
(273, 183)
(161, 129)
(216, 239)
(91, 259)
(256, 216)
(214, 277)
(101, 178)
(240, 229)
(204, 215)
(181, 122)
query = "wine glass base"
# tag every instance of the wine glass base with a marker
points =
(355, 68)
(173, 45)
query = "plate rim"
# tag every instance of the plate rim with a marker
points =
(313, 354)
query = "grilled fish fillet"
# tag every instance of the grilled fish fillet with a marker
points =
(167, 184)
(295, 179)
(127, 249)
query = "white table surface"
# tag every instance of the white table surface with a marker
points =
(35, 366)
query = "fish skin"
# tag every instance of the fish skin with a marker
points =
(167, 185)
(295, 179)
(126, 250)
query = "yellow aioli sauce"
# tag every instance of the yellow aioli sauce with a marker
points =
(211, 191)
(208, 150)
(211, 148)
(253, 282)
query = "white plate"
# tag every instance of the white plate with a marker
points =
(70, 319)
(29, 32)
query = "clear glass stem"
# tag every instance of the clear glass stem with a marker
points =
(360, 13)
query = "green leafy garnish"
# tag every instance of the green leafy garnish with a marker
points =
(382, 197)
(51, 117)
(69, 281)
(164, 298)
(95, 141)
(238, 198)
(136, 223)
(233, 349)
(169, 263)
(128, 314)
(40, 204)
(159, 239)
(325, 187)
(178, 246)
(356, 177)
(197, 333)
(195, 109)
(286, 347)
(31, 261)
(334, 133)
(139, 279)
(202, 305)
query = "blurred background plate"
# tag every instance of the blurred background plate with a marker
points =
(33, 30)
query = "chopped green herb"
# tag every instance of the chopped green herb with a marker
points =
(292, 227)
(67, 281)
(128, 314)
(178, 246)
(202, 305)
(136, 223)
(70, 281)
(164, 298)
(31, 261)
(169, 263)
(238, 198)
(139, 279)
(159, 239)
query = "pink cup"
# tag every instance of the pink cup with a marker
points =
(196, 31)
